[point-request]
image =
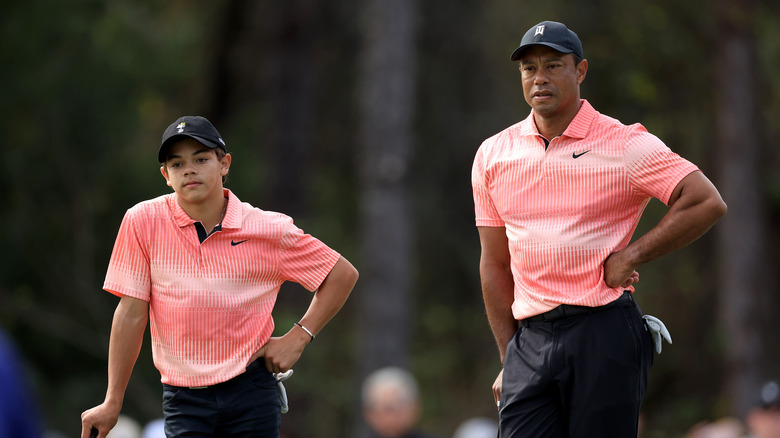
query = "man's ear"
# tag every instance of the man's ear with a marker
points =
(582, 70)
(164, 172)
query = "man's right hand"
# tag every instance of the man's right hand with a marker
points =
(103, 418)
(497, 387)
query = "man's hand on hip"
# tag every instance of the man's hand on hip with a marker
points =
(618, 272)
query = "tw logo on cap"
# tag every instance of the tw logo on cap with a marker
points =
(180, 127)
(539, 30)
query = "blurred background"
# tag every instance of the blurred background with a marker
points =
(360, 119)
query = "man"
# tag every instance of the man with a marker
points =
(205, 269)
(391, 403)
(557, 199)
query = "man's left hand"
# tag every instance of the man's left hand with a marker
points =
(618, 273)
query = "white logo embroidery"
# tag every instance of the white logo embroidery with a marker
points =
(180, 127)
(539, 30)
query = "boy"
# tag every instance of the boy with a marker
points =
(205, 269)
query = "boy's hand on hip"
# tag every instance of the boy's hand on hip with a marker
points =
(280, 354)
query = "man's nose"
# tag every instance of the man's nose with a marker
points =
(540, 77)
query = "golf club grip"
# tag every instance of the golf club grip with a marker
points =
(93, 433)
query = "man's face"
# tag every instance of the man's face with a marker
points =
(551, 80)
(194, 172)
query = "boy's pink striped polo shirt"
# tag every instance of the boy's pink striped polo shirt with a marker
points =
(211, 302)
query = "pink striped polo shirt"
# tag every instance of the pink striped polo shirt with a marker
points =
(210, 304)
(567, 208)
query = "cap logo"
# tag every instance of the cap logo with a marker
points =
(539, 30)
(180, 127)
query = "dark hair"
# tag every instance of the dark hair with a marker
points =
(220, 155)
(577, 59)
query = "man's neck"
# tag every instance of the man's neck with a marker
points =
(553, 126)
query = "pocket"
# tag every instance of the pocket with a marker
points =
(261, 378)
(637, 327)
(170, 393)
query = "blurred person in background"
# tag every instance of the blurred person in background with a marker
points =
(126, 427)
(723, 428)
(763, 421)
(154, 429)
(479, 427)
(19, 417)
(391, 403)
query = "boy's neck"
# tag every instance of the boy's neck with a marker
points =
(209, 213)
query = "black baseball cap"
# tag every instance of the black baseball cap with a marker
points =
(551, 34)
(196, 127)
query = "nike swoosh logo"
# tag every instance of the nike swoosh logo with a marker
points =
(576, 155)
(234, 243)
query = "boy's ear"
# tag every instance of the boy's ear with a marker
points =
(164, 172)
(226, 160)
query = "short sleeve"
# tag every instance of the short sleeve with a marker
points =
(303, 258)
(129, 271)
(485, 212)
(653, 168)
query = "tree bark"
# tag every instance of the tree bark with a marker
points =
(386, 101)
(743, 231)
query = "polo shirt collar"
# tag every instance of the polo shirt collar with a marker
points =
(577, 128)
(232, 217)
(580, 124)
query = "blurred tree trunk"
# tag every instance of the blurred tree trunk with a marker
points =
(742, 233)
(386, 100)
(260, 60)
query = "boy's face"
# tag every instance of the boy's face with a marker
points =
(194, 172)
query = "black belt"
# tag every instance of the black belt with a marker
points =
(566, 310)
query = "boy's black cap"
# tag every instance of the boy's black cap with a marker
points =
(551, 34)
(196, 127)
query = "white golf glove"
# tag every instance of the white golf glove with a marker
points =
(281, 377)
(658, 330)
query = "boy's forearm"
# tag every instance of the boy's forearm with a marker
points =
(127, 330)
